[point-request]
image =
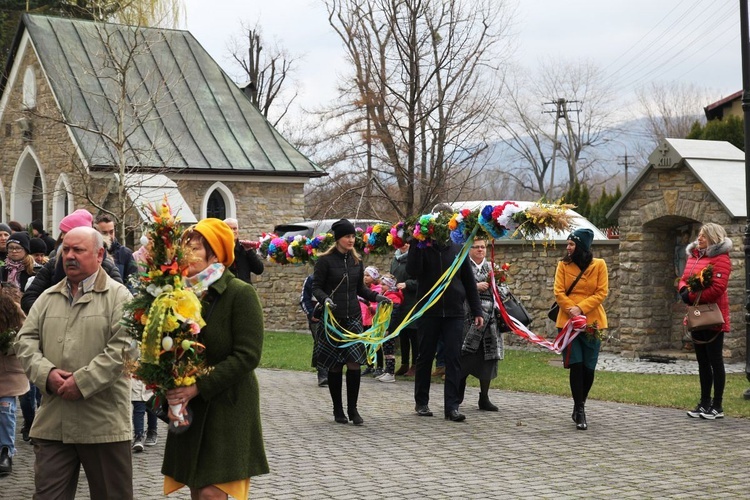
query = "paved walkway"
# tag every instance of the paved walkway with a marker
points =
(530, 450)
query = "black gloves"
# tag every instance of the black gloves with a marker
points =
(382, 298)
(685, 295)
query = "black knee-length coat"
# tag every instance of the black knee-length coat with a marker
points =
(224, 442)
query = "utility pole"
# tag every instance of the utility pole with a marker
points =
(561, 111)
(625, 164)
(745, 51)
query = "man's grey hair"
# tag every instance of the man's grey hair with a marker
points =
(98, 240)
(230, 220)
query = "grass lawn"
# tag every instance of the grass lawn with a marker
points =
(530, 371)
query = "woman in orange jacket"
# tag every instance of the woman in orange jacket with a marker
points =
(585, 299)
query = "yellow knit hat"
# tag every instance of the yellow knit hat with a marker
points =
(220, 237)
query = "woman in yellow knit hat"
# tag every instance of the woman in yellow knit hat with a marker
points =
(223, 445)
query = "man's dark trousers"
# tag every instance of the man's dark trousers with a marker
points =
(431, 328)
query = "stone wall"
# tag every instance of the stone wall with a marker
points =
(531, 278)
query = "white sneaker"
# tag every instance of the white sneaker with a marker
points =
(388, 378)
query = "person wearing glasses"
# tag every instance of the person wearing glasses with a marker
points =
(18, 266)
(483, 346)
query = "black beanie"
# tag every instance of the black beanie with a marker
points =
(342, 228)
(37, 225)
(20, 238)
(582, 237)
(37, 245)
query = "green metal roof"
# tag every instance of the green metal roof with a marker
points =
(182, 111)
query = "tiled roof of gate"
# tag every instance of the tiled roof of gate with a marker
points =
(192, 117)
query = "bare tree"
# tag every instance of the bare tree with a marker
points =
(579, 112)
(671, 109)
(425, 77)
(266, 71)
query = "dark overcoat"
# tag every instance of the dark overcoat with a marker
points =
(224, 443)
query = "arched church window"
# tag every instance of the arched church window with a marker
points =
(37, 198)
(29, 89)
(216, 206)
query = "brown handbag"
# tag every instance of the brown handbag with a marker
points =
(703, 316)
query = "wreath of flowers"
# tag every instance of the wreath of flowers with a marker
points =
(462, 224)
(431, 228)
(396, 234)
(164, 317)
(541, 217)
(494, 222)
(498, 220)
(376, 239)
(702, 279)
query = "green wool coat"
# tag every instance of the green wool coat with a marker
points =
(224, 442)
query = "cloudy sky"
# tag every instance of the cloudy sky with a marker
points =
(635, 41)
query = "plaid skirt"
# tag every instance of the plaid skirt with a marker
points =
(330, 353)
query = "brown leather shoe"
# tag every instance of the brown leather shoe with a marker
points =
(439, 371)
(411, 371)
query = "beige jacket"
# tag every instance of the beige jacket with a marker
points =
(13, 381)
(87, 339)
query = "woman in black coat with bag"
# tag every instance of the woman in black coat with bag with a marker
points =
(337, 281)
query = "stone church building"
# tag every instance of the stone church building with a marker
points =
(102, 115)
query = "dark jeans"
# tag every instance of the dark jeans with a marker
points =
(139, 408)
(29, 403)
(450, 330)
(710, 367)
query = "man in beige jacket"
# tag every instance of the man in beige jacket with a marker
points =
(71, 345)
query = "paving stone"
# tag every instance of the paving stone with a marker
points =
(629, 451)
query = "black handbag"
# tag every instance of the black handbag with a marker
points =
(157, 404)
(513, 307)
(554, 309)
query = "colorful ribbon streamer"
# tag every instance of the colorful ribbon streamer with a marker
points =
(570, 331)
(378, 332)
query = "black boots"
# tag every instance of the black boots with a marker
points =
(6, 463)
(580, 418)
(334, 387)
(353, 378)
(485, 403)
(335, 383)
(322, 377)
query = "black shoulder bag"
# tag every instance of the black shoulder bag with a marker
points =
(554, 309)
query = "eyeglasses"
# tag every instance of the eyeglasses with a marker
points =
(14, 249)
(478, 247)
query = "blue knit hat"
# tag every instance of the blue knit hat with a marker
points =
(582, 237)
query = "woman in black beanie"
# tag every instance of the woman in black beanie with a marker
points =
(585, 298)
(337, 281)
